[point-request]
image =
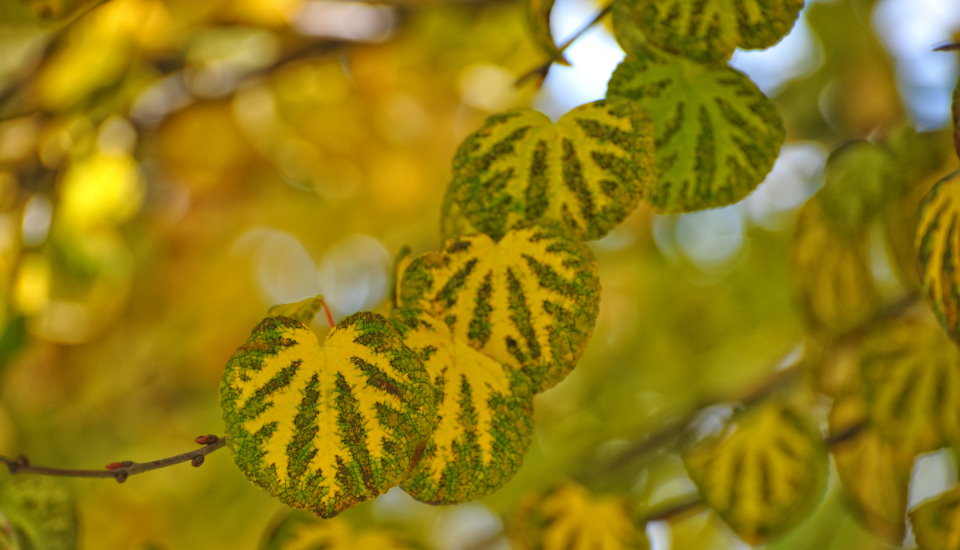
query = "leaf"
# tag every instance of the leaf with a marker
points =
(859, 180)
(936, 522)
(874, 472)
(325, 427)
(938, 250)
(298, 531)
(529, 301)
(587, 171)
(484, 416)
(831, 273)
(538, 16)
(764, 474)
(710, 30)
(569, 517)
(36, 512)
(955, 111)
(716, 134)
(911, 374)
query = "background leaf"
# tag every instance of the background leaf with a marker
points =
(936, 522)
(325, 427)
(484, 416)
(710, 30)
(764, 474)
(569, 517)
(587, 171)
(938, 250)
(528, 301)
(36, 513)
(538, 16)
(716, 134)
(299, 531)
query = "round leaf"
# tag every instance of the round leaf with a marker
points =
(587, 171)
(831, 273)
(528, 301)
(325, 427)
(938, 250)
(568, 516)
(936, 522)
(710, 30)
(874, 471)
(911, 372)
(716, 134)
(764, 474)
(484, 416)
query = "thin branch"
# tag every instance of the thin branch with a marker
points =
(947, 47)
(544, 68)
(120, 471)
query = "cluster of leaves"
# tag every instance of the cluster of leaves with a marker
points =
(438, 398)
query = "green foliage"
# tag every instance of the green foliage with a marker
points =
(936, 522)
(36, 513)
(938, 247)
(716, 134)
(298, 531)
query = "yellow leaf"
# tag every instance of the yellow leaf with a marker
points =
(297, 531)
(874, 471)
(568, 517)
(938, 250)
(484, 416)
(936, 522)
(529, 301)
(324, 427)
(764, 474)
(831, 273)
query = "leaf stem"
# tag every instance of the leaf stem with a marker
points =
(544, 68)
(120, 471)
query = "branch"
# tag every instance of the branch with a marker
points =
(120, 471)
(544, 67)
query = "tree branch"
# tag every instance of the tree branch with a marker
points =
(120, 471)
(544, 68)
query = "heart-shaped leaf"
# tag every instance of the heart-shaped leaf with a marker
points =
(874, 471)
(911, 373)
(936, 522)
(568, 516)
(764, 474)
(716, 134)
(324, 427)
(709, 30)
(484, 416)
(831, 273)
(528, 301)
(587, 171)
(938, 250)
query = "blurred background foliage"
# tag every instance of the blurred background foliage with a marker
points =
(169, 169)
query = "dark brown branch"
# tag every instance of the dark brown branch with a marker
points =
(544, 68)
(120, 471)
(947, 47)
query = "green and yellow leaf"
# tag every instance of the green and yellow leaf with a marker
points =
(297, 531)
(831, 273)
(764, 473)
(859, 180)
(324, 427)
(484, 416)
(587, 171)
(36, 512)
(529, 301)
(936, 522)
(710, 30)
(938, 251)
(874, 471)
(911, 374)
(716, 135)
(538, 16)
(568, 517)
